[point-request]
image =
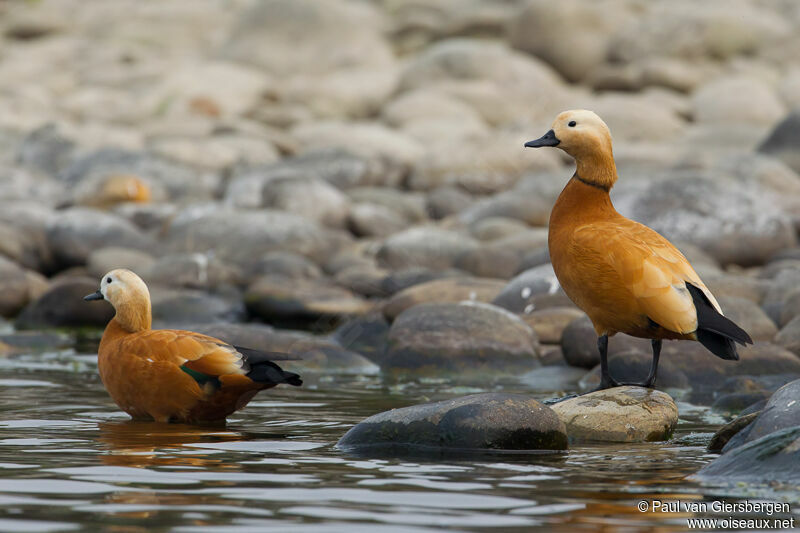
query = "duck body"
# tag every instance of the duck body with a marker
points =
(174, 375)
(624, 275)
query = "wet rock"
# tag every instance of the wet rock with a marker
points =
(783, 141)
(62, 306)
(14, 292)
(372, 220)
(579, 342)
(366, 334)
(710, 215)
(239, 236)
(429, 247)
(774, 458)
(490, 421)
(440, 291)
(733, 403)
(107, 259)
(549, 324)
(469, 339)
(781, 411)
(180, 307)
(311, 198)
(724, 434)
(540, 26)
(303, 301)
(447, 200)
(621, 414)
(74, 233)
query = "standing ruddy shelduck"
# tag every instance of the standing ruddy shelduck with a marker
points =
(625, 276)
(171, 375)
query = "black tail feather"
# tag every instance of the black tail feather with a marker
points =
(262, 370)
(256, 356)
(714, 331)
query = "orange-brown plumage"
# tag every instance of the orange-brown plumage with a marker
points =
(625, 276)
(173, 375)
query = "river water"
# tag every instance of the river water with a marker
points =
(71, 461)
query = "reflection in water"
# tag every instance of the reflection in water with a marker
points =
(143, 444)
(81, 464)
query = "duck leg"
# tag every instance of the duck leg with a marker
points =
(606, 381)
(605, 377)
(651, 377)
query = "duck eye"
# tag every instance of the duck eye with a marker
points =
(109, 280)
(572, 123)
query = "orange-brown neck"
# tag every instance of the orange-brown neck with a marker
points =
(597, 167)
(134, 314)
(580, 202)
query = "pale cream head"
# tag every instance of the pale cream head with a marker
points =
(581, 132)
(129, 296)
(583, 135)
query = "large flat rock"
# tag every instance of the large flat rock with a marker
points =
(491, 421)
(620, 414)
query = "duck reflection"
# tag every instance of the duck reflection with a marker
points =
(143, 444)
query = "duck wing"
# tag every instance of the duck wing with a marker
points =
(651, 268)
(203, 356)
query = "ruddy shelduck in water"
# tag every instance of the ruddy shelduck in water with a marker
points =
(625, 276)
(170, 375)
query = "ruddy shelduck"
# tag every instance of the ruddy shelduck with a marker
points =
(170, 375)
(625, 276)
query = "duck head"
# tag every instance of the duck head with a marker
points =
(129, 296)
(583, 135)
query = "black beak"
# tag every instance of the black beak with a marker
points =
(548, 139)
(94, 296)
